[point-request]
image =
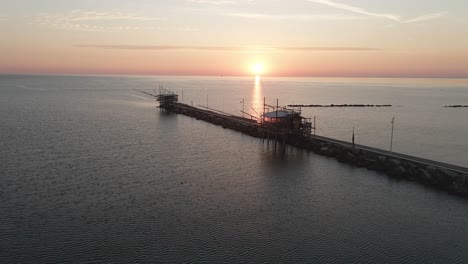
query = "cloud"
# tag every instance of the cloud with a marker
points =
(66, 25)
(92, 21)
(219, 2)
(292, 17)
(426, 17)
(213, 2)
(79, 15)
(362, 11)
(354, 9)
(228, 49)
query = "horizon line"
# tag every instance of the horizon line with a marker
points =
(230, 75)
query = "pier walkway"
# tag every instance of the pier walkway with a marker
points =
(397, 155)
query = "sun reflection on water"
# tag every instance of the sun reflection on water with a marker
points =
(257, 96)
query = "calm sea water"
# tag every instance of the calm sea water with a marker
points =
(92, 172)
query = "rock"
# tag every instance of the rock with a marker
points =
(331, 151)
(406, 165)
(400, 171)
(442, 179)
(374, 167)
(382, 159)
(342, 158)
(431, 169)
(350, 156)
(424, 176)
(450, 174)
(460, 179)
(412, 171)
(394, 163)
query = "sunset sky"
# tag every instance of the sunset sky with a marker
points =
(365, 38)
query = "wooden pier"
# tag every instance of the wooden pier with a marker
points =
(289, 127)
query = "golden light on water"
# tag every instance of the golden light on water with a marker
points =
(257, 96)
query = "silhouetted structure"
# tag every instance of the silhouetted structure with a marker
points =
(166, 98)
(287, 126)
(289, 120)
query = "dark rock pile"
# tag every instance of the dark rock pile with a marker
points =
(456, 106)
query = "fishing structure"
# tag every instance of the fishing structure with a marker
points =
(276, 123)
(287, 126)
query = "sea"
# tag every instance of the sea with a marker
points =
(91, 171)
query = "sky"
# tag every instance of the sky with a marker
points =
(324, 38)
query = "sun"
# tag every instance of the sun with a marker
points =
(258, 68)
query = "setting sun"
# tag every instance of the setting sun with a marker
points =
(258, 68)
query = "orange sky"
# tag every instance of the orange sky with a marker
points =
(307, 38)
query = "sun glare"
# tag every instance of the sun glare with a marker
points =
(257, 68)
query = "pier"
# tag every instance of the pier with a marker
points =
(286, 126)
(340, 105)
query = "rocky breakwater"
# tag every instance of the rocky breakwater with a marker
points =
(239, 124)
(448, 180)
(401, 168)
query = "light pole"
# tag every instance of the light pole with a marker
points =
(391, 139)
(243, 108)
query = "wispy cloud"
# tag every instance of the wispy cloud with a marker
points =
(299, 17)
(362, 11)
(91, 20)
(355, 9)
(80, 15)
(64, 25)
(213, 2)
(220, 2)
(229, 49)
(426, 17)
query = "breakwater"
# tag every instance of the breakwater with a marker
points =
(446, 177)
(438, 175)
(456, 106)
(341, 105)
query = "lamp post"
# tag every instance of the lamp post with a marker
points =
(243, 109)
(391, 138)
